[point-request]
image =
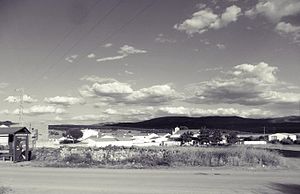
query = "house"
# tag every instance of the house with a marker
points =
(14, 144)
(281, 136)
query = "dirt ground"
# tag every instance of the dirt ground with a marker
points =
(26, 179)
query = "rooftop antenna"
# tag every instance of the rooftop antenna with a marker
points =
(21, 107)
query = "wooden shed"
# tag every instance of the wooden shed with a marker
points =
(14, 144)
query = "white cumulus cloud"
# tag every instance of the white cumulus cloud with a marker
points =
(89, 117)
(41, 110)
(246, 85)
(288, 30)
(124, 51)
(119, 92)
(206, 19)
(17, 99)
(274, 10)
(64, 100)
(71, 58)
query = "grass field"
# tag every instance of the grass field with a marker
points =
(152, 157)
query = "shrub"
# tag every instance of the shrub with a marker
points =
(287, 141)
(275, 141)
(5, 190)
(136, 157)
(297, 141)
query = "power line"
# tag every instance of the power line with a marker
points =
(68, 34)
(82, 37)
(144, 9)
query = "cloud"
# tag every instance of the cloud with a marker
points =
(111, 89)
(5, 111)
(91, 56)
(100, 104)
(3, 85)
(173, 111)
(107, 45)
(71, 58)
(94, 78)
(262, 71)
(128, 72)
(247, 84)
(153, 95)
(275, 10)
(16, 99)
(111, 58)
(212, 69)
(288, 30)
(89, 117)
(129, 50)
(221, 46)
(205, 19)
(41, 110)
(144, 111)
(162, 39)
(124, 51)
(64, 100)
(118, 92)
(196, 112)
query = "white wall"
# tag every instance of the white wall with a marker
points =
(255, 142)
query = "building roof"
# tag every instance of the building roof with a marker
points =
(14, 130)
(286, 134)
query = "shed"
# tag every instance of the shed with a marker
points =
(14, 144)
(281, 136)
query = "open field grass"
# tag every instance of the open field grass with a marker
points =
(153, 157)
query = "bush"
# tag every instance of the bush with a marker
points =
(297, 141)
(5, 190)
(136, 157)
(287, 141)
(275, 141)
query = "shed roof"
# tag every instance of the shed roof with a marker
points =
(14, 130)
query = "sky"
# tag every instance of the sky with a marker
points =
(98, 61)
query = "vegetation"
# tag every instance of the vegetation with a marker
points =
(74, 134)
(5, 190)
(153, 157)
(287, 141)
(206, 136)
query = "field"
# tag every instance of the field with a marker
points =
(153, 157)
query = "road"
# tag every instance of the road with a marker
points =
(25, 180)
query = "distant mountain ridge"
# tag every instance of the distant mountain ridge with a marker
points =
(289, 124)
(7, 123)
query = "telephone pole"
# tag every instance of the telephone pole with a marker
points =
(21, 107)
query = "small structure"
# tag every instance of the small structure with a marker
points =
(255, 142)
(14, 144)
(281, 136)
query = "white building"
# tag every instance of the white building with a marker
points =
(281, 136)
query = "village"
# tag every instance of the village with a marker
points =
(180, 136)
(18, 143)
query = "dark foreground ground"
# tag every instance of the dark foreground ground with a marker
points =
(31, 180)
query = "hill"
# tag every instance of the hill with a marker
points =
(283, 124)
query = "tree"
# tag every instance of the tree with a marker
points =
(204, 136)
(287, 141)
(232, 138)
(74, 134)
(216, 136)
(186, 137)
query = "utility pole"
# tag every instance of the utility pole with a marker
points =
(21, 107)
